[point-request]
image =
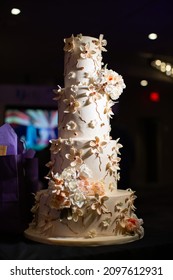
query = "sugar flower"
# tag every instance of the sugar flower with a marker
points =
(78, 198)
(93, 94)
(60, 200)
(56, 145)
(100, 43)
(69, 174)
(86, 52)
(113, 165)
(69, 142)
(117, 146)
(71, 125)
(72, 105)
(74, 156)
(85, 171)
(131, 225)
(59, 92)
(97, 145)
(106, 222)
(130, 201)
(108, 108)
(92, 233)
(98, 205)
(71, 75)
(69, 44)
(76, 213)
(109, 82)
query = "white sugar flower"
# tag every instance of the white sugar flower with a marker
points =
(56, 145)
(76, 213)
(72, 105)
(108, 108)
(59, 92)
(69, 174)
(74, 88)
(75, 156)
(71, 125)
(106, 222)
(100, 43)
(85, 171)
(71, 75)
(117, 146)
(72, 185)
(92, 233)
(78, 198)
(97, 145)
(110, 82)
(86, 51)
(69, 142)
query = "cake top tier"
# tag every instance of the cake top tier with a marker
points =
(82, 58)
(83, 66)
(85, 103)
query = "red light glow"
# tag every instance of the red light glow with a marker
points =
(154, 96)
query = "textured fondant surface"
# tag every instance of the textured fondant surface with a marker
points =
(82, 204)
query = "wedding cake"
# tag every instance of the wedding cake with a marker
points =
(82, 204)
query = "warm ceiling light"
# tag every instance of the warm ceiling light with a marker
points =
(15, 11)
(143, 83)
(163, 66)
(152, 36)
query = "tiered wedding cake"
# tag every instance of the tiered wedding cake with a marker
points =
(82, 205)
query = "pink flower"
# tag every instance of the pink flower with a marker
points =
(132, 225)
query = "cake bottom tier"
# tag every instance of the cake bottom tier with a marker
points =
(101, 221)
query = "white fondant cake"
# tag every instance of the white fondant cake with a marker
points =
(82, 205)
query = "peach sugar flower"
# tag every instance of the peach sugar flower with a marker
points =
(56, 145)
(69, 44)
(74, 156)
(86, 52)
(91, 188)
(60, 199)
(59, 92)
(100, 43)
(99, 206)
(72, 105)
(96, 145)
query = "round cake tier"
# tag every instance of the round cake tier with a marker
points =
(100, 157)
(82, 59)
(116, 224)
(82, 115)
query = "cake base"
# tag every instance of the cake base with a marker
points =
(80, 241)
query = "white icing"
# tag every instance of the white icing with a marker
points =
(82, 200)
(102, 160)
(114, 219)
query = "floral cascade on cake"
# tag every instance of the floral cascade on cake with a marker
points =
(82, 204)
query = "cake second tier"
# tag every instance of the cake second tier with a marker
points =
(97, 160)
